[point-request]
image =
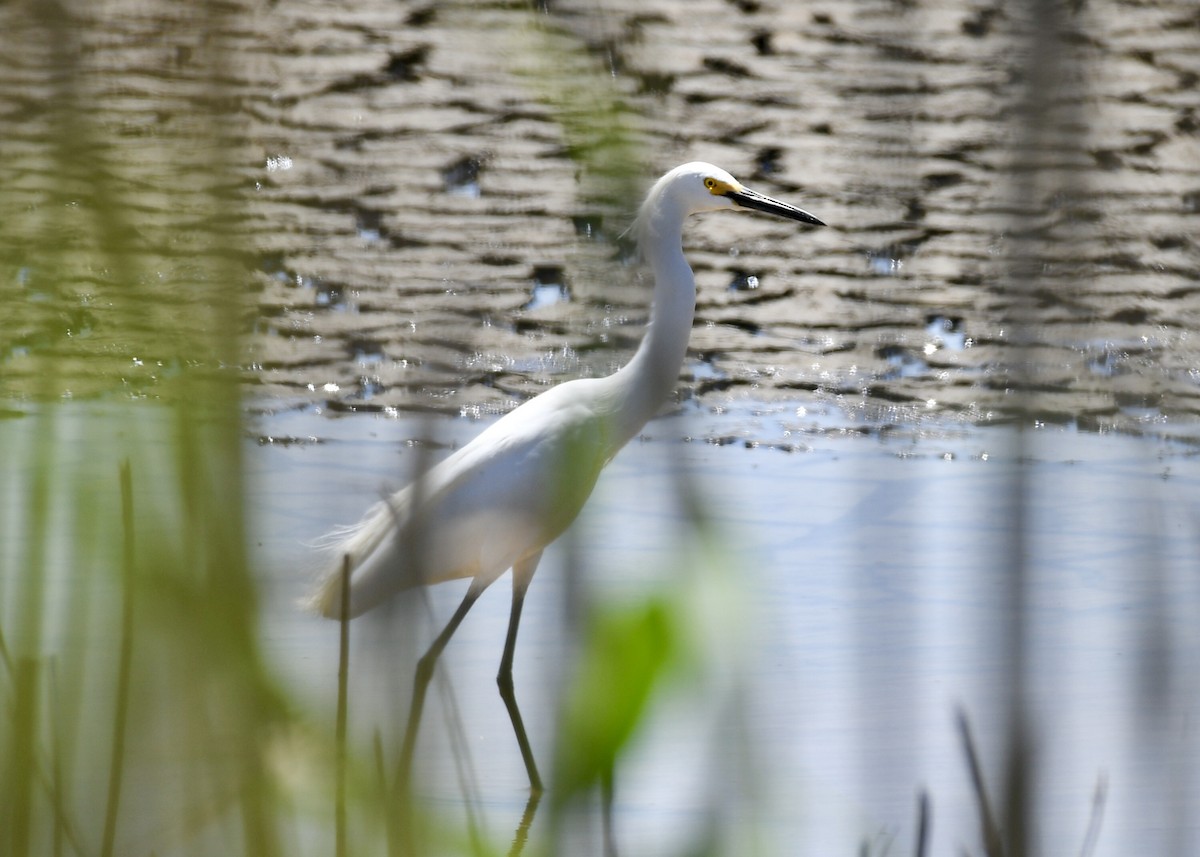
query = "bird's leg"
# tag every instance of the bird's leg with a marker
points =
(424, 674)
(522, 574)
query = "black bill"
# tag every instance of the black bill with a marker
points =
(747, 198)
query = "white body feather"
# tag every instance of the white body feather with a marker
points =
(501, 498)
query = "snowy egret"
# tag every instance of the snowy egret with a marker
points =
(497, 502)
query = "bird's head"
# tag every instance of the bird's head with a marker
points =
(698, 186)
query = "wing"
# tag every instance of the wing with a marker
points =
(505, 495)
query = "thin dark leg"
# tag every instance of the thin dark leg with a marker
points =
(421, 680)
(522, 574)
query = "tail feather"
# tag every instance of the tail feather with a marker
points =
(325, 599)
(362, 543)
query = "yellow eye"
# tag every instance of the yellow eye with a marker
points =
(710, 183)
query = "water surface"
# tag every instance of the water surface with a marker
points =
(868, 601)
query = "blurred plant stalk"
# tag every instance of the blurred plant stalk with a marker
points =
(156, 726)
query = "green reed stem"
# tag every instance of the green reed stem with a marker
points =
(124, 668)
(343, 681)
(5, 658)
(989, 831)
(21, 754)
(56, 780)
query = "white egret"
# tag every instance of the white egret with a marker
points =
(497, 502)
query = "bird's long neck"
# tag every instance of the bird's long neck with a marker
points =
(646, 381)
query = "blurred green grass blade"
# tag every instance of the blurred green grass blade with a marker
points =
(625, 654)
(600, 129)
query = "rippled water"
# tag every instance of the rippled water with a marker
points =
(405, 174)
